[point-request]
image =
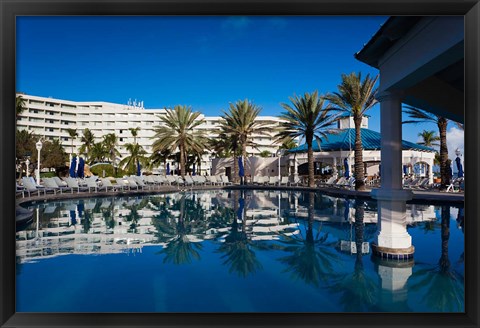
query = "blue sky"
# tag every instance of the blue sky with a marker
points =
(203, 62)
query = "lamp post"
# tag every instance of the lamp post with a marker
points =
(27, 163)
(280, 153)
(39, 147)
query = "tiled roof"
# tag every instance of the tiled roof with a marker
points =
(345, 140)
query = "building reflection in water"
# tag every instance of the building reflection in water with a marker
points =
(308, 231)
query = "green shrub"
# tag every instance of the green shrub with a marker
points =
(109, 171)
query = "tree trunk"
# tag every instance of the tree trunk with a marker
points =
(235, 168)
(311, 175)
(359, 169)
(244, 157)
(444, 261)
(182, 162)
(444, 168)
(359, 227)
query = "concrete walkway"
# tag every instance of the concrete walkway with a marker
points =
(432, 197)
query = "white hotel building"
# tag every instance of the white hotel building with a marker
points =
(50, 118)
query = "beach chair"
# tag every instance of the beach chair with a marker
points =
(73, 184)
(139, 181)
(51, 185)
(188, 181)
(225, 180)
(122, 184)
(170, 179)
(330, 182)
(284, 181)
(455, 185)
(160, 180)
(296, 181)
(108, 184)
(60, 182)
(92, 184)
(30, 187)
(272, 181)
(132, 184)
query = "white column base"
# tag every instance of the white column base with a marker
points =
(392, 236)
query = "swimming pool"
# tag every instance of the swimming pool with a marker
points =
(234, 251)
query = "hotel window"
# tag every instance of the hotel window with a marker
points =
(51, 130)
(121, 139)
(121, 131)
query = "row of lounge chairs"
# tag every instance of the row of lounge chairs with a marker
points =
(274, 181)
(56, 185)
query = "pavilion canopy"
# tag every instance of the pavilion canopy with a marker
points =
(345, 140)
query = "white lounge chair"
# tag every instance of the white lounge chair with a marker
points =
(139, 181)
(284, 181)
(188, 181)
(108, 184)
(50, 185)
(73, 183)
(30, 187)
(92, 184)
(272, 180)
(225, 180)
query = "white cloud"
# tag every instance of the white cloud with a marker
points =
(455, 139)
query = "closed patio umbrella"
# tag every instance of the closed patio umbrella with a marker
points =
(139, 169)
(81, 168)
(241, 169)
(347, 170)
(459, 167)
(168, 169)
(73, 165)
(193, 169)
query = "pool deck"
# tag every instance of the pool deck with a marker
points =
(434, 197)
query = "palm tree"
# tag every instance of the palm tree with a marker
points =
(159, 157)
(110, 142)
(428, 138)
(73, 134)
(355, 97)
(307, 118)
(137, 155)
(178, 132)
(418, 115)
(88, 140)
(288, 143)
(19, 106)
(240, 124)
(98, 153)
(134, 132)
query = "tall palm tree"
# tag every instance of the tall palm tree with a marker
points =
(159, 157)
(19, 106)
(137, 155)
(418, 115)
(88, 140)
(355, 96)
(288, 143)
(308, 117)
(240, 124)
(73, 134)
(98, 153)
(429, 138)
(110, 142)
(134, 132)
(226, 145)
(178, 132)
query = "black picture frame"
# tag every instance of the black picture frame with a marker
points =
(12, 8)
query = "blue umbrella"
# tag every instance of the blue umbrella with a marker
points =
(81, 168)
(73, 217)
(405, 169)
(168, 168)
(72, 167)
(241, 203)
(346, 213)
(80, 209)
(193, 173)
(459, 167)
(241, 170)
(139, 168)
(347, 170)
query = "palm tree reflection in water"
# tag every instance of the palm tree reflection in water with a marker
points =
(358, 291)
(178, 234)
(237, 247)
(442, 283)
(311, 258)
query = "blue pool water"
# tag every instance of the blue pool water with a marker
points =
(233, 251)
